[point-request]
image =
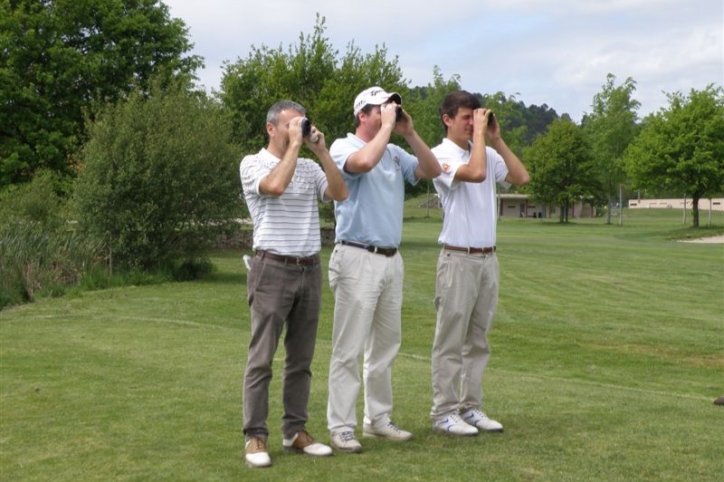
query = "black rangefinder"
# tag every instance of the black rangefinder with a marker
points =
(491, 119)
(306, 127)
(398, 112)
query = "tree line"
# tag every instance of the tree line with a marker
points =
(104, 125)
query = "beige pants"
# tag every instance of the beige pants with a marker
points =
(466, 297)
(367, 319)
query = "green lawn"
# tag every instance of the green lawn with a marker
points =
(608, 351)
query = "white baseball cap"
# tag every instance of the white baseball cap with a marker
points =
(374, 96)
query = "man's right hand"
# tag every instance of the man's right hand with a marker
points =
(388, 113)
(295, 132)
(480, 120)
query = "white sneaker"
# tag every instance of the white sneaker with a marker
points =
(389, 432)
(478, 419)
(304, 443)
(256, 453)
(345, 442)
(453, 425)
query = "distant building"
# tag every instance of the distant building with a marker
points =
(704, 204)
(521, 206)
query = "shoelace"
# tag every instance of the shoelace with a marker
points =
(258, 444)
(346, 436)
(452, 420)
(478, 413)
(394, 427)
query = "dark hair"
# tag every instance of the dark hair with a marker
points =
(454, 101)
(366, 109)
(272, 116)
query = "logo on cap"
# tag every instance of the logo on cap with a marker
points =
(374, 96)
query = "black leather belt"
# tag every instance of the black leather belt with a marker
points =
(471, 250)
(372, 249)
(300, 261)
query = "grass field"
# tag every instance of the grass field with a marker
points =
(608, 350)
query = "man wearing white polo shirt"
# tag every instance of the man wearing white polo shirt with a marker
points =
(365, 269)
(466, 291)
(284, 283)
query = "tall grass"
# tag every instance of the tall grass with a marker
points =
(608, 350)
(36, 262)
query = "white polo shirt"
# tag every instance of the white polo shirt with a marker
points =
(470, 209)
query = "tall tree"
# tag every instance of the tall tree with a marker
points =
(159, 177)
(612, 126)
(308, 72)
(562, 170)
(57, 57)
(511, 116)
(423, 105)
(681, 148)
(250, 86)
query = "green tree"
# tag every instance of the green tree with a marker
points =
(159, 179)
(353, 73)
(612, 126)
(681, 148)
(562, 170)
(423, 105)
(36, 202)
(511, 117)
(57, 57)
(250, 86)
(309, 73)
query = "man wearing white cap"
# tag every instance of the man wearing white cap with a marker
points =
(365, 269)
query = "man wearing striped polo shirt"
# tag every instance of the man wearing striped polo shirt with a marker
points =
(285, 279)
(466, 291)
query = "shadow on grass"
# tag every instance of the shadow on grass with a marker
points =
(225, 278)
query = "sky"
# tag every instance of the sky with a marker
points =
(552, 52)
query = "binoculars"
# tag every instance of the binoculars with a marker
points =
(307, 130)
(306, 127)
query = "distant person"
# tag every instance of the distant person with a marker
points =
(365, 269)
(285, 277)
(466, 292)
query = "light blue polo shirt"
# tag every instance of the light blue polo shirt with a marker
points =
(372, 213)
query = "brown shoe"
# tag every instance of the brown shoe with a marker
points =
(304, 443)
(256, 453)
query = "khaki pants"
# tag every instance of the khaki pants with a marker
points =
(466, 297)
(367, 289)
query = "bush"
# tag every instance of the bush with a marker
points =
(39, 254)
(36, 202)
(159, 180)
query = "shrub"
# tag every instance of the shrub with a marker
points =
(159, 180)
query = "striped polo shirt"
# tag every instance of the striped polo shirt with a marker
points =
(288, 224)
